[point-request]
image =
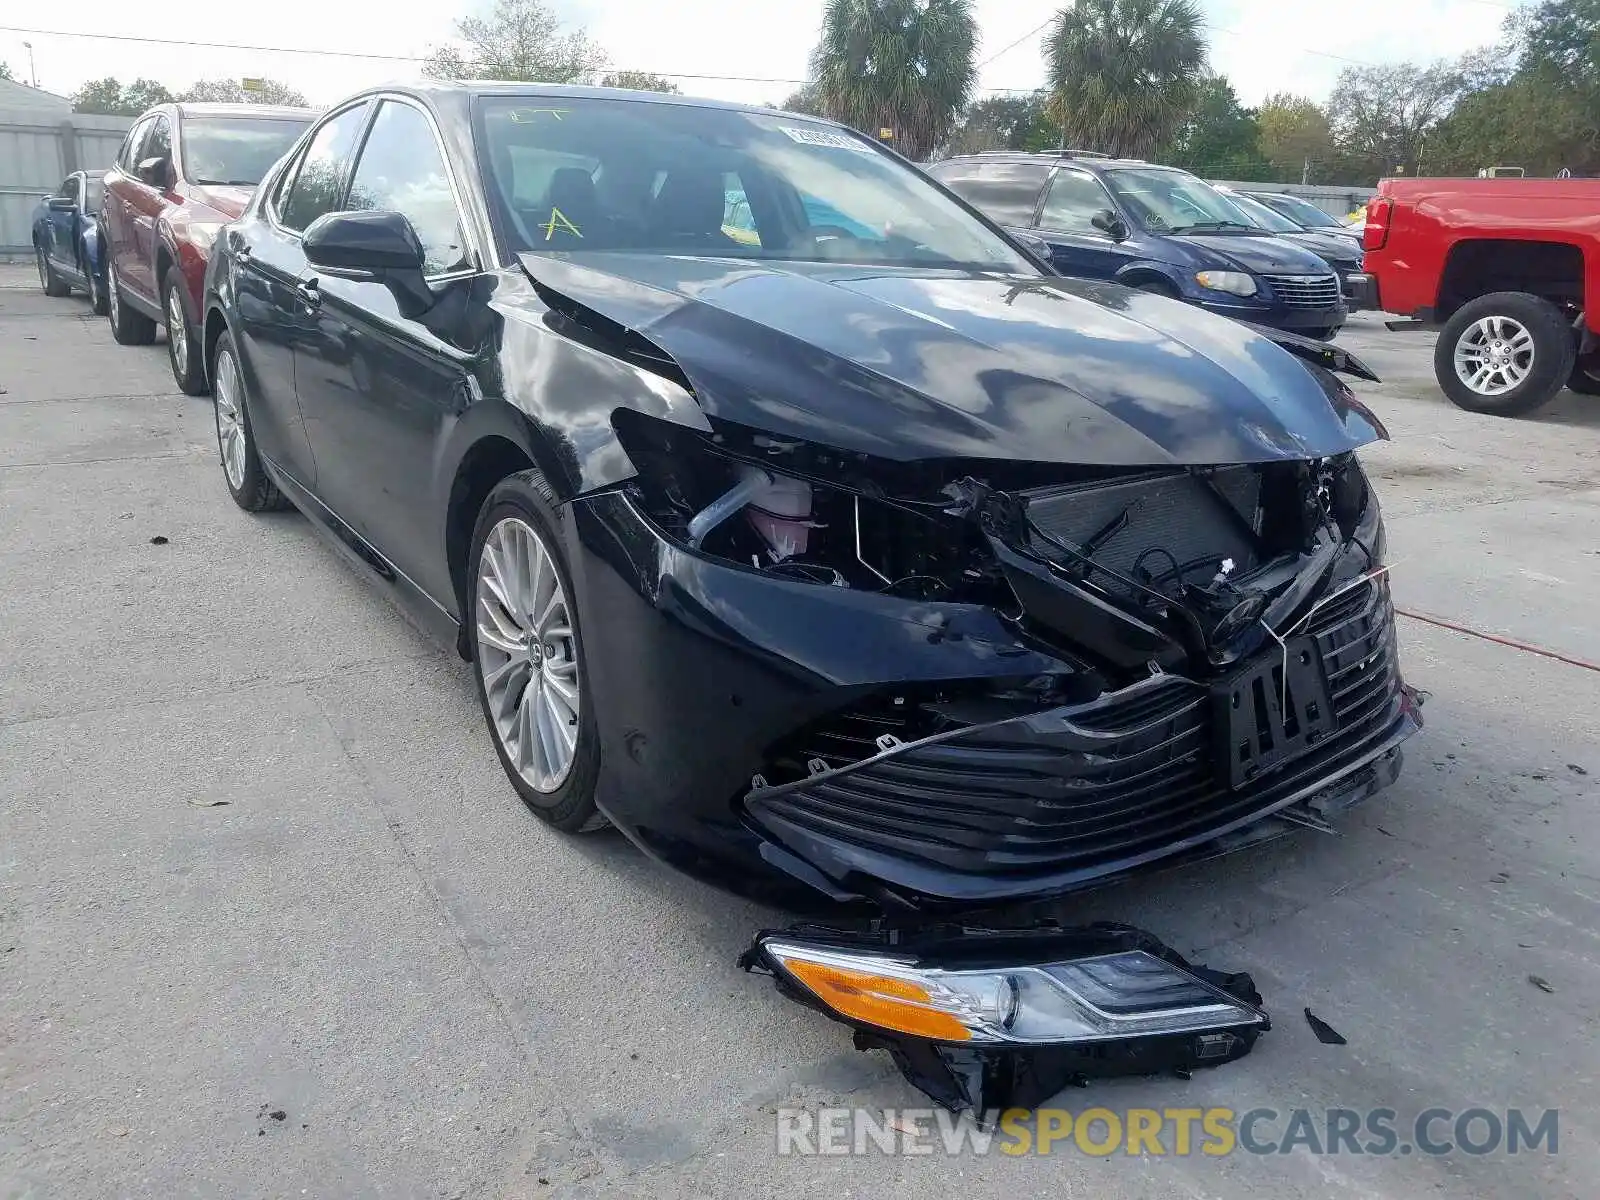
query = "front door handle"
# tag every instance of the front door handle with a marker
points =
(310, 294)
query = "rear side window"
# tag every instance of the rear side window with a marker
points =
(315, 185)
(1003, 192)
(401, 169)
(1072, 202)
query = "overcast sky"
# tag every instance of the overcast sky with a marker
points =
(1262, 45)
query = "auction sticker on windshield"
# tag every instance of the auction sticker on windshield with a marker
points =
(824, 137)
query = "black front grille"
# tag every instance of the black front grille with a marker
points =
(1305, 291)
(1088, 787)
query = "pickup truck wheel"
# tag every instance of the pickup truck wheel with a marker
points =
(1504, 354)
(1586, 375)
(52, 283)
(129, 328)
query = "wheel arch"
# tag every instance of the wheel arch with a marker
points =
(1139, 274)
(1548, 268)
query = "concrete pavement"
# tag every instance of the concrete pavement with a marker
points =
(257, 858)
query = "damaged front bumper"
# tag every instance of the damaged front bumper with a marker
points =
(997, 1019)
(798, 742)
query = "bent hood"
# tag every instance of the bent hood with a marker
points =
(228, 199)
(919, 364)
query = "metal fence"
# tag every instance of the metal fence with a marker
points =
(38, 149)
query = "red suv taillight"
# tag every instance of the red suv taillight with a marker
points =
(1376, 234)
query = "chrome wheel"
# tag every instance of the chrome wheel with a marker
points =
(230, 421)
(1494, 355)
(115, 301)
(177, 335)
(527, 654)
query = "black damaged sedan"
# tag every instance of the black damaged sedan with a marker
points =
(796, 520)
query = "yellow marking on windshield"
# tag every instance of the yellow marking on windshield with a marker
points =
(523, 116)
(558, 220)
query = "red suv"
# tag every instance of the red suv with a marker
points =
(184, 172)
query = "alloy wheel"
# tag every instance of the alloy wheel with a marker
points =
(528, 654)
(230, 421)
(44, 268)
(177, 336)
(115, 310)
(1493, 355)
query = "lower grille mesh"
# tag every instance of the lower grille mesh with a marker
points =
(1089, 787)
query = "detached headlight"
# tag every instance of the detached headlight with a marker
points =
(992, 1019)
(1235, 283)
(1121, 995)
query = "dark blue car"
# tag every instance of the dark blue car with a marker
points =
(1154, 228)
(66, 239)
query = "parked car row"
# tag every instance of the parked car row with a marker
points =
(796, 518)
(1161, 230)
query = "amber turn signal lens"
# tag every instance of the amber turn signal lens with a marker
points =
(880, 1000)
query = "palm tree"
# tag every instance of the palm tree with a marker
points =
(1124, 73)
(903, 65)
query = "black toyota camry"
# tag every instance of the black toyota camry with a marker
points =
(797, 521)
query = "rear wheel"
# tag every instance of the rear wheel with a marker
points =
(52, 283)
(248, 483)
(528, 655)
(1504, 354)
(128, 327)
(183, 348)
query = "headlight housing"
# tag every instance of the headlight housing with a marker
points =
(1124, 994)
(1235, 283)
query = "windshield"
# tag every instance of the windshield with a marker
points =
(1307, 214)
(1272, 222)
(589, 175)
(1168, 201)
(236, 150)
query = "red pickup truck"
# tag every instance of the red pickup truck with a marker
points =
(1509, 269)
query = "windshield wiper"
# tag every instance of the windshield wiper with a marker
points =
(1198, 225)
(226, 182)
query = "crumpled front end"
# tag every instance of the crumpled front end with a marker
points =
(946, 685)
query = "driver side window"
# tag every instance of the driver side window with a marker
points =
(1072, 202)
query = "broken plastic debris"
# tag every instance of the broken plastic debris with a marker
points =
(1326, 1034)
(1543, 984)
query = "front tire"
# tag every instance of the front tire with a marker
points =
(1504, 354)
(52, 283)
(248, 483)
(527, 654)
(129, 328)
(183, 348)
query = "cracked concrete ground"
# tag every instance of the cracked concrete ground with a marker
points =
(257, 858)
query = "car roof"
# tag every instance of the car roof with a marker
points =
(1088, 159)
(243, 110)
(457, 89)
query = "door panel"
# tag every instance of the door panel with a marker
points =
(1066, 223)
(270, 323)
(145, 204)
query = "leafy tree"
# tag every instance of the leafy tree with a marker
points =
(5, 70)
(638, 81)
(1124, 73)
(1220, 138)
(231, 91)
(519, 40)
(905, 65)
(1381, 115)
(109, 97)
(1005, 123)
(1563, 36)
(1293, 131)
(807, 99)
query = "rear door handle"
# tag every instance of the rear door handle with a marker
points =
(310, 295)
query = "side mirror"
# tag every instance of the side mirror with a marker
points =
(157, 172)
(378, 247)
(1108, 222)
(62, 204)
